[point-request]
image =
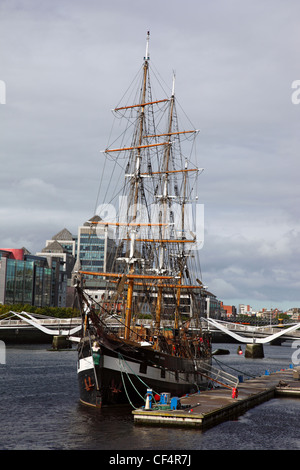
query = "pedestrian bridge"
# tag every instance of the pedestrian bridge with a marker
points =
(17, 323)
(254, 334)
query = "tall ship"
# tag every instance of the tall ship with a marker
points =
(146, 330)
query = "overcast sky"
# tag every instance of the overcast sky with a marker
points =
(66, 63)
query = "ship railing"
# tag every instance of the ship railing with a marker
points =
(219, 376)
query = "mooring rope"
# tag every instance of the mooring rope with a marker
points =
(230, 367)
(122, 367)
(126, 392)
(121, 358)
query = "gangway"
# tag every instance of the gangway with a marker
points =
(219, 376)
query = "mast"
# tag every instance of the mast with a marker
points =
(176, 325)
(164, 199)
(163, 204)
(136, 177)
(136, 182)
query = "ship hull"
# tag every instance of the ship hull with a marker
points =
(123, 376)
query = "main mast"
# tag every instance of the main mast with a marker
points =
(136, 183)
(164, 203)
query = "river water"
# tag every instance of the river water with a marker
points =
(40, 410)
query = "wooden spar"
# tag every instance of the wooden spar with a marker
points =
(85, 323)
(165, 286)
(183, 205)
(171, 171)
(128, 310)
(142, 105)
(158, 306)
(142, 276)
(169, 133)
(176, 322)
(127, 224)
(138, 147)
(129, 276)
(158, 240)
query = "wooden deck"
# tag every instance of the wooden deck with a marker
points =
(210, 407)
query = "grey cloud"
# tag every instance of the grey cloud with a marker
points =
(67, 63)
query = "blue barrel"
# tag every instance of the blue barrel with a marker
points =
(163, 399)
(174, 403)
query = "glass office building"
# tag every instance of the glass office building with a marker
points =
(45, 279)
(95, 248)
(25, 281)
(91, 251)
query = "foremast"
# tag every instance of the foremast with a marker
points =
(164, 201)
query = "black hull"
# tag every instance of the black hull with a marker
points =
(123, 375)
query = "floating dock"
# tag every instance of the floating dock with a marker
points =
(211, 407)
